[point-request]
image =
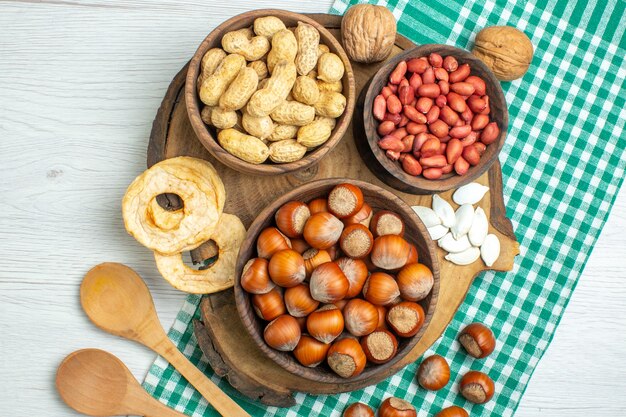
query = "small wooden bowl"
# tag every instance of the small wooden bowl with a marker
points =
(378, 198)
(208, 135)
(391, 172)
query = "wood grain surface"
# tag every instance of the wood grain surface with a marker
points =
(79, 85)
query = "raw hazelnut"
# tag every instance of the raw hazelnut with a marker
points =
(478, 340)
(477, 387)
(358, 410)
(395, 407)
(380, 346)
(433, 373)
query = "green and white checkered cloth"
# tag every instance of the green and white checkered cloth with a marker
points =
(563, 163)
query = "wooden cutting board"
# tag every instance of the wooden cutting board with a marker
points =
(230, 350)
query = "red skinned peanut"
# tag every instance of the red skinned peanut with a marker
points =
(393, 88)
(391, 143)
(403, 121)
(406, 94)
(461, 73)
(442, 148)
(415, 81)
(398, 73)
(480, 147)
(450, 63)
(441, 101)
(467, 115)
(480, 121)
(470, 139)
(479, 84)
(487, 108)
(439, 128)
(429, 90)
(430, 147)
(454, 150)
(417, 65)
(441, 74)
(407, 141)
(447, 169)
(415, 128)
(393, 104)
(395, 118)
(435, 161)
(432, 173)
(386, 127)
(471, 155)
(403, 82)
(432, 115)
(435, 60)
(413, 114)
(449, 116)
(459, 132)
(380, 107)
(461, 166)
(444, 86)
(411, 166)
(476, 104)
(455, 101)
(393, 155)
(386, 91)
(399, 133)
(462, 88)
(424, 104)
(490, 133)
(428, 77)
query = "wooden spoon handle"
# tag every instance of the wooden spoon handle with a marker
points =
(211, 392)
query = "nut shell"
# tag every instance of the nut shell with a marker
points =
(504, 49)
(368, 32)
(433, 373)
(477, 387)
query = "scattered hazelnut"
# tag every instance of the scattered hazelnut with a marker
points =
(478, 340)
(477, 387)
(433, 373)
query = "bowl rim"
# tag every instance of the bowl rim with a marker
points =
(420, 185)
(285, 359)
(267, 168)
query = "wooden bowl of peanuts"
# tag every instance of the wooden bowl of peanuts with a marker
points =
(270, 92)
(434, 119)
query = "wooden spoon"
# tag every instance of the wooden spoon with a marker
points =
(118, 301)
(96, 383)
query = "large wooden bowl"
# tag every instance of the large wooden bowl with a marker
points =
(378, 198)
(390, 171)
(207, 134)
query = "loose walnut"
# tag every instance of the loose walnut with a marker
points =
(369, 32)
(504, 49)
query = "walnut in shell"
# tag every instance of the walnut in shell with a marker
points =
(368, 32)
(504, 49)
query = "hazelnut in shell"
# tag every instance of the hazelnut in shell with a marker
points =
(356, 241)
(415, 282)
(319, 205)
(379, 346)
(310, 352)
(477, 387)
(300, 245)
(270, 305)
(291, 217)
(358, 410)
(326, 323)
(270, 241)
(507, 51)
(346, 358)
(478, 340)
(286, 268)
(452, 411)
(314, 258)
(363, 216)
(328, 283)
(345, 200)
(390, 252)
(360, 317)
(356, 272)
(299, 302)
(387, 222)
(322, 230)
(406, 318)
(380, 289)
(433, 373)
(255, 277)
(282, 333)
(395, 407)
(382, 318)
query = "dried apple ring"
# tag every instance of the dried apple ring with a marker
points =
(219, 276)
(196, 183)
(162, 218)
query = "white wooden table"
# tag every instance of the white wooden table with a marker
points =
(80, 82)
